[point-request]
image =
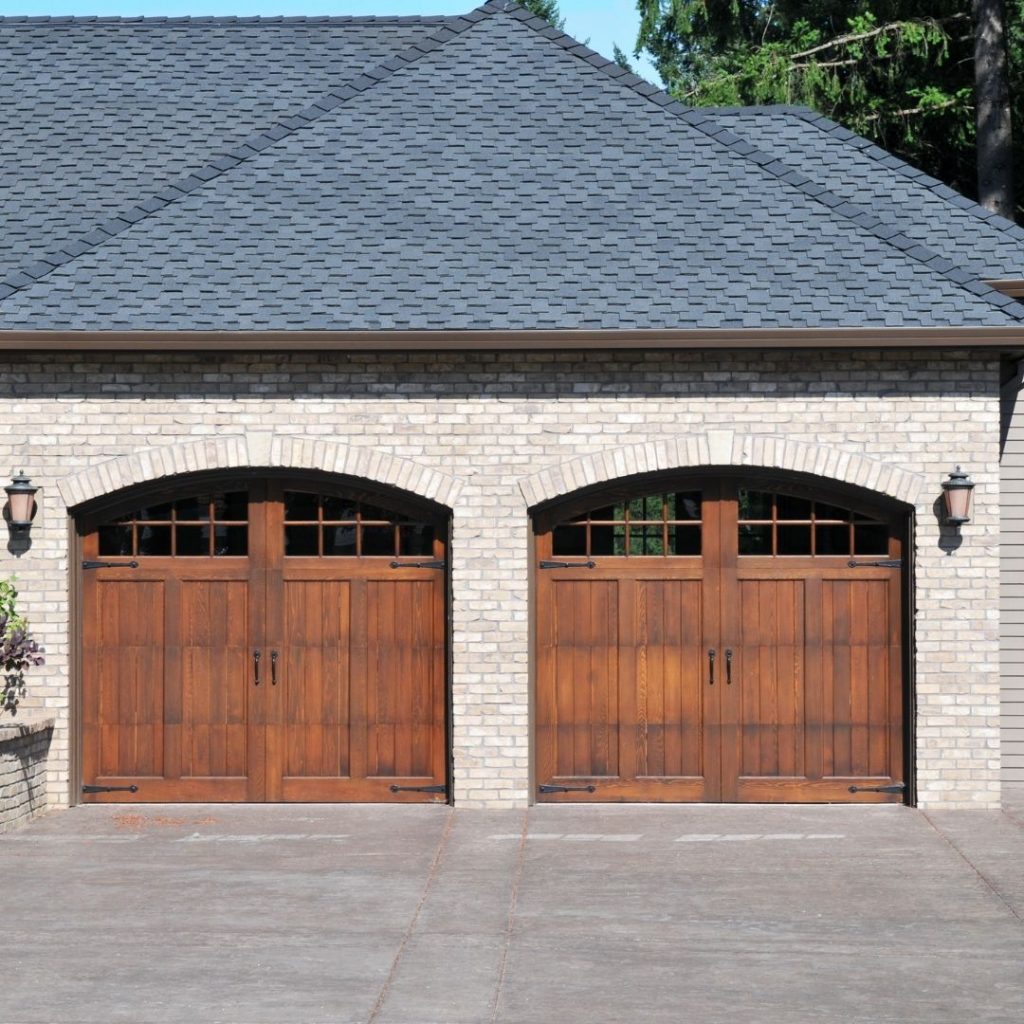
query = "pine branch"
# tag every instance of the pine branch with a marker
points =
(917, 110)
(856, 37)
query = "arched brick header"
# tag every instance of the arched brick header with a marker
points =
(723, 448)
(258, 450)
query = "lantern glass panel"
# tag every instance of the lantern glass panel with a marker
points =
(21, 507)
(958, 503)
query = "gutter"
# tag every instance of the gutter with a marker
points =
(27, 342)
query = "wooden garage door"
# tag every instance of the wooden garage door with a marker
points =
(726, 640)
(264, 640)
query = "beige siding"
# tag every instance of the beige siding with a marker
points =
(1011, 580)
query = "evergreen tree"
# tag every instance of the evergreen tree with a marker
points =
(900, 72)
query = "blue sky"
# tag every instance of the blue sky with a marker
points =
(603, 22)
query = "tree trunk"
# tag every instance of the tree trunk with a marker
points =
(992, 107)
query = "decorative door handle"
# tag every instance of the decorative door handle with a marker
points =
(711, 666)
(273, 668)
(256, 666)
(728, 666)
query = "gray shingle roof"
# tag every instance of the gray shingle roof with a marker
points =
(493, 175)
(98, 113)
(853, 167)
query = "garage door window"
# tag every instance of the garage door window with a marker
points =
(322, 525)
(659, 525)
(199, 526)
(786, 525)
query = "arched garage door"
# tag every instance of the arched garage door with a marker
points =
(264, 640)
(731, 639)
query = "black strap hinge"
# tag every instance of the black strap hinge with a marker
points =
(110, 789)
(418, 565)
(568, 565)
(567, 789)
(417, 789)
(896, 787)
(87, 564)
(882, 563)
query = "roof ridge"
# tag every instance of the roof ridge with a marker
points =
(693, 116)
(225, 19)
(282, 127)
(907, 170)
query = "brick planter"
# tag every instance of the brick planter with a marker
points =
(24, 745)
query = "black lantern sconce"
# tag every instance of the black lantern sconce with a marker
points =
(956, 494)
(21, 503)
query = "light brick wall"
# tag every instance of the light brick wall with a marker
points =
(482, 428)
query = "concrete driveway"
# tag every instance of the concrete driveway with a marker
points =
(424, 915)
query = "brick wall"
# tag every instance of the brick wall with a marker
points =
(480, 430)
(24, 744)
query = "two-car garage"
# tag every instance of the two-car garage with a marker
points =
(700, 638)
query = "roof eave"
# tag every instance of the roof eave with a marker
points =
(28, 341)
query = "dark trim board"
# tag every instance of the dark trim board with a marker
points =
(26, 342)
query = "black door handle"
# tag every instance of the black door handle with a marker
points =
(711, 666)
(728, 666)
(256, 665)
(273, 668)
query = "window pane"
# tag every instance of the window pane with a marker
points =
(115, 540)
(636, 508)
(871, 539)
(654, 507)
(572, 540)
(233, 505)
(794, 540)
(340, 541)
(192, 540)
(646, 540)
(231, 540)
(831, 540)
(685, 505)
(375, 512)
(755, 540)
(154, 540)
(300, 540)
(619, 511)
(417, 539)
(378, 540)
(755, 505)
(298, 505)
(823, 511)
(339, 508)
(792, 508)
(684, 540)
(156, 512)
(607, 540)
(193, 508)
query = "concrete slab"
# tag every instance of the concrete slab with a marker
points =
(424, 915)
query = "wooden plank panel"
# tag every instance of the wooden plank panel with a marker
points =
(669, 684)
(123, 678)
(768, 668)
(215, 660)
(314, 672)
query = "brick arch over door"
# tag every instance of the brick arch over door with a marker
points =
(258, 450)
(723, 448)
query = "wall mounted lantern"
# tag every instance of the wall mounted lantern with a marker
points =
(21, 496)
(957, 497)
